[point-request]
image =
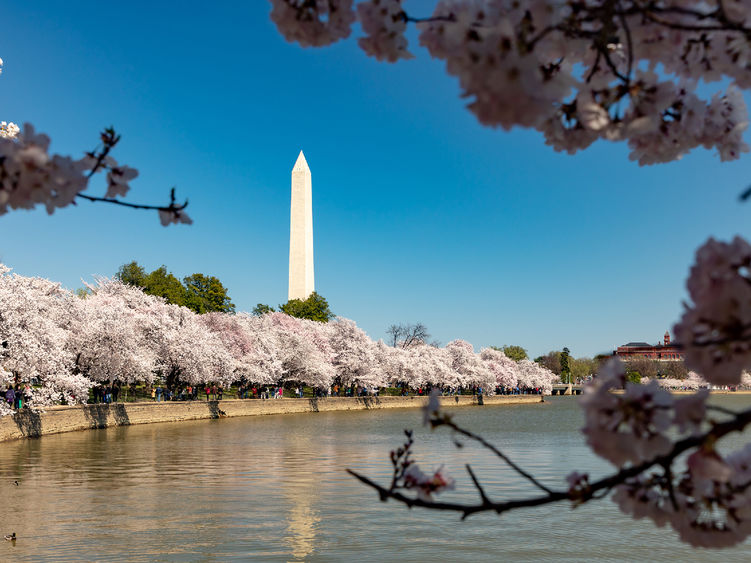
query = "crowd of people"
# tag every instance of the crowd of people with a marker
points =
(18, 396)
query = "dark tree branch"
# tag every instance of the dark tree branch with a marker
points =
(717, 431)
(171, 207)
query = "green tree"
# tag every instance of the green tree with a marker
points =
(516, 353)
(82, 292)
(633, 377)
(162, 283)
(314, 308)
(565, 369)
(132, 274)
(200, 293)
(206, 294)
(581, 368)
(261, 309)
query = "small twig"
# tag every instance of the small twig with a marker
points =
(612, 67)
(595, 67)
(629, 44)
(483, 496)
(411, 19)
(497, 452)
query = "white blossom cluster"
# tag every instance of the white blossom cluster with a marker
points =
(427, 484)
(630, 427)
(715, 329)
(314, 23)
(8, 130)
(384, 23)
(619, 70)
(117, 332)
(709, 503)
(30, 176)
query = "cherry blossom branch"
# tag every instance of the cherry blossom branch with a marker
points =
(604, 485)
(172, 207)
(109, 140)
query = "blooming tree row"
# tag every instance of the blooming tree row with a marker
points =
(117, 332)
(693, 382)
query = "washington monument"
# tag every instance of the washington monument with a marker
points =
(301, 232)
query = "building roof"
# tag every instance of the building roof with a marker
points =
(636, 344)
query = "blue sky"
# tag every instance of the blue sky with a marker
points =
(420, 214)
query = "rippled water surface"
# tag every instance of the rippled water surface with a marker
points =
(274, 488)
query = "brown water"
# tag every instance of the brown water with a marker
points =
(274, 488)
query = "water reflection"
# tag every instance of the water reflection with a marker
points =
(274, 488)
(298, 480)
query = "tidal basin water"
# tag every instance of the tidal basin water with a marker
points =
(274, 488)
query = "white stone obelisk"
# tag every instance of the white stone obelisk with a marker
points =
(301, 232)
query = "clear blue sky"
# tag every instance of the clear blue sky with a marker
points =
(420, 214)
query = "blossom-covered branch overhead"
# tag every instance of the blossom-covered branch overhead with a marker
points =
(575, 70)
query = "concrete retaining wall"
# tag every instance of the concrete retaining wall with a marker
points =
(28, 424)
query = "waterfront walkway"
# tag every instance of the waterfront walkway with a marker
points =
(53, 420)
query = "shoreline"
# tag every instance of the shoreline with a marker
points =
(59, 419)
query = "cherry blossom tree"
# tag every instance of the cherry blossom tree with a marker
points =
(112, 340)
(534, 376)
(501, 366)
(469, 367)
(34, 315)
(235, 339)
(305, 357)
(354, 355)
(190, 353)
(264, 363)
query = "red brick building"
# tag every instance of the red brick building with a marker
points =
(664, 352)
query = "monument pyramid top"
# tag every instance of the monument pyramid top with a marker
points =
(301, 165)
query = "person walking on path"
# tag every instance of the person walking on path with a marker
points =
(208, 391)
(153, 393)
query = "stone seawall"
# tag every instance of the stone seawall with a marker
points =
(31, 424)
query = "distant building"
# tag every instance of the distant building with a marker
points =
(666, 351)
